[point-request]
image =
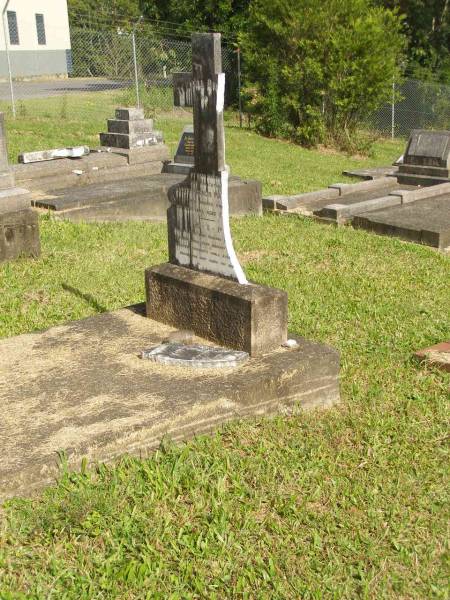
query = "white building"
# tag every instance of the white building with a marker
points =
(38, 38)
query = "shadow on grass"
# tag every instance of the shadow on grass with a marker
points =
(86, 297)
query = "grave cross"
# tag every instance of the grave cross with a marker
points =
(198, 218)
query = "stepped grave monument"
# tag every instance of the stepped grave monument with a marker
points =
(207, 347)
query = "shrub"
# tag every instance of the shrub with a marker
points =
(315, 69)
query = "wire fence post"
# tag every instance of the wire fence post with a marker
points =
(136, 78)
(239, 85)
(8, 60)
(393, 110)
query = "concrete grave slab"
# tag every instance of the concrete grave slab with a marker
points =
(423, 221)
(83, 388)
(144, 197)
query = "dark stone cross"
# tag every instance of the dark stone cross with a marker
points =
(198, 218)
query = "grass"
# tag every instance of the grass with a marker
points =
(349, 503)
(282, 167)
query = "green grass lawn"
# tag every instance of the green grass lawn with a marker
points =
(349, 503)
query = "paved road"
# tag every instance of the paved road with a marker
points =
(58, 87)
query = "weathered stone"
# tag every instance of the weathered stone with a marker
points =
(6, 175)
(129, 114)
(380, 184)
(138, 126)
(421, 194)
(252, 318)
(426, 161)
(19, 230)
(56, 153)
(428, 148)
(198, 218)
(436, 356)
(302, 203)
(104, 401)
(342, 213)
(195, 356)
(182, 89)
(131, 140)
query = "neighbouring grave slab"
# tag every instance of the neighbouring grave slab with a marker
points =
(436, 356)
(143, 197)
(83, 388)
(19, 226)
(423, 221)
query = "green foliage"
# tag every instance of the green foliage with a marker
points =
(427, 25)
(319, 66)
(102, 13)
(226, 16)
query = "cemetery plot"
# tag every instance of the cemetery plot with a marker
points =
(411, 202)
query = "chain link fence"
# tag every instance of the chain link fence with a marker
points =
(110, 68)
(106, 69)
(415, 105)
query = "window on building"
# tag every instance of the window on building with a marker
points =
(12, 27)
(40, 29)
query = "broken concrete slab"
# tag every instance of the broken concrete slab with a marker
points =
(436, 356)
(54, 154)
(423, 221)
(85, 390)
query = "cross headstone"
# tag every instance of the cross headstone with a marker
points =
(198, 218)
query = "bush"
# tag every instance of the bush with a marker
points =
(315, 69)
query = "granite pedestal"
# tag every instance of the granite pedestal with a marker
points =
(251, 317)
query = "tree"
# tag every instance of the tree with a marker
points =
(427, 25)
(102, 13)
(226, 16)
(316, 68)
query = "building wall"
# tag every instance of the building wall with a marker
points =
(28, 58)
